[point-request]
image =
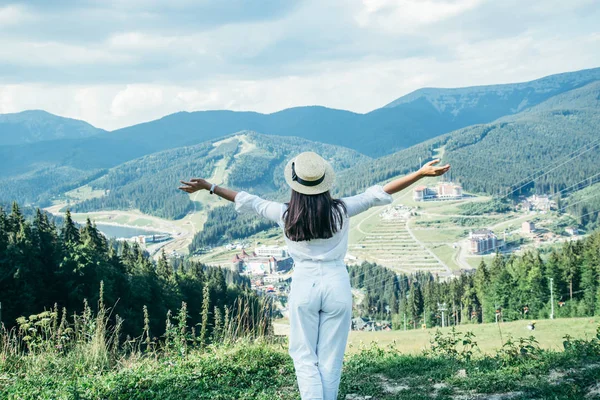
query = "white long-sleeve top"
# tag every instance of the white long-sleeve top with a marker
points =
(332, 249)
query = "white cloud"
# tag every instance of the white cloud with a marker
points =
(13, 15)
(407, 15)
(136, 99)
(139, 41)
(356, 55)
(54, 54)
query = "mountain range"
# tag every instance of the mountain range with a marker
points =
(37, 126)
(480, 128)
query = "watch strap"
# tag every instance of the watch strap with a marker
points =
(212, 188)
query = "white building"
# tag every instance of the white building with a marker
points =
(483, 241)
(449, 190)
(527, 227)
(443, 191)
(271, 251)
(571, 230)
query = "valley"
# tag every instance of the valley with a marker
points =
(503, 164)
(181, 230)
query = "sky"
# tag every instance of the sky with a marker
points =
(115, 63)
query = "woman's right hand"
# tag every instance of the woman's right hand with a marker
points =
(430, 170)
(194, 185)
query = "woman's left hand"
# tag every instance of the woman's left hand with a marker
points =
(194, 185)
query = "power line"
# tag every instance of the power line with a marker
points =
(580, 201)
(591, 212)
(528, 180)
(577, 184)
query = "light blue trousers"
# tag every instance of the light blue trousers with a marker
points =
(320, 311)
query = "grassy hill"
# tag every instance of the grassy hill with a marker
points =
(451, 368)
(490, 337)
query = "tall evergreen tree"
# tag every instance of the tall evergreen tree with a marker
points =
(415, 303)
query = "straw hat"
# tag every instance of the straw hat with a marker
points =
(309, 173)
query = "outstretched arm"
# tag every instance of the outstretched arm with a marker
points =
(426, 170)
(196, 184)
(244, 202)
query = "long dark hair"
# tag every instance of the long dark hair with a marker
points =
(316, 216)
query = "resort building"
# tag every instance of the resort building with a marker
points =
(540, 203)
(483, 241)
(449, 190)
(443, 191)
(271, 251)
(259, 265)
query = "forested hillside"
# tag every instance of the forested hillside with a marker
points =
(150, 183)
(261, 172)
(42, 267)
(497, 158)
(516, 287)
(585, 205)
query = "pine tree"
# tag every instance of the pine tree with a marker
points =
(163, 269)
(481, 284)
(204, 321)
(538, 292)
(415, 303)
(70, 233)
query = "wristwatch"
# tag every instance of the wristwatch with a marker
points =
(212, 188)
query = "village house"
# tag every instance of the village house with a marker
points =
(527, 227)
(572, 230)
(541, 202)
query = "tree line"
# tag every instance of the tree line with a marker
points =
(529, 286)
(43, 265)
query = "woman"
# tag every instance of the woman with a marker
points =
(315, 230)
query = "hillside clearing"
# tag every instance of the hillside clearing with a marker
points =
(489, 337)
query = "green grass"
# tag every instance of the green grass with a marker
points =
(88, 359)
(446, 253)
(549, 333)
(255, 370)
(476, 260)
(433, 235)
(84, 193)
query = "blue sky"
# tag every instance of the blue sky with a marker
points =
(116, 63)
